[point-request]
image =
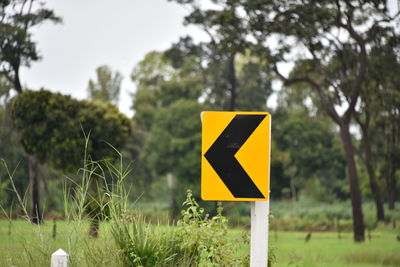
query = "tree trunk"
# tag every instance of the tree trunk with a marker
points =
(232, 81)
(293, 188)
(36, 212)
(392, 164)
(94, 228)
(380, 213)
(358, 222)
(17, 82)
(174, 204)
(391, 189)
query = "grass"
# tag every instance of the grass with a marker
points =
(197, 239)
(32, 245)
(325, 249)
(290, 248)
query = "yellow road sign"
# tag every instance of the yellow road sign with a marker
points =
(235, 156)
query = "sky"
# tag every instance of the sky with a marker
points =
(117, 33)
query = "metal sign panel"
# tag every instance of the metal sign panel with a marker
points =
(235, 156)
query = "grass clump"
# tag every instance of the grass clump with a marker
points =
(139, 244)
(197, 240)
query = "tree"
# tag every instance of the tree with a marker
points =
(323, 34)
(251, 83)
(107, 87)
(228, 42)
(378, 100)
(52, 128)
(314, 151)
(227, 36)
(379, 112)
(254, 83)
(17, 49)
(18, 18)
(12, 153)
(280, 163)
(148, 75)
(167, 113)
(174, 147)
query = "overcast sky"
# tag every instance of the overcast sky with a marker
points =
(96, 32)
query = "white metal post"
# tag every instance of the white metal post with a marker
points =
(59, 258)
(259, 234)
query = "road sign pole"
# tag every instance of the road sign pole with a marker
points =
(259, 234)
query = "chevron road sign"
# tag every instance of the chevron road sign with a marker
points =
(235, 156)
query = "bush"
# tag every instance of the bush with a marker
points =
(197, 240)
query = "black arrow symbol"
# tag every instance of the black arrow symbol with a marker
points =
(221, 156)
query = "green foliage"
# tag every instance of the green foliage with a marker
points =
(197, 240)
(291, 250)
(159, 85)
(249, 73)
(107, 87)
(254, 83)
(141, 245)
(167, 105)
(311, 144)
(161, 88)
(12, 153)
(280, 170)
(227, 34)
(17, 46)
(308, 154)
(174, 145)
(203, 237)
(5, 88)
(380, 110)
(52, 127)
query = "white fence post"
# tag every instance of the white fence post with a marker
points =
(59, 258)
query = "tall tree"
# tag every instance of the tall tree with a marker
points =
(252, 82)
(159, 86)
(148, 75)
(17, 49)
(379, 100)
(227, 40)
(107, 87)
(379, 114)
(322, 35)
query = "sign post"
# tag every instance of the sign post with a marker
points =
(259, 233)
(235, 167)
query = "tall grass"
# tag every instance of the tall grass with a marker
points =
(126, 239)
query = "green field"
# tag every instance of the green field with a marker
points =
(325, 249)
(29, 244)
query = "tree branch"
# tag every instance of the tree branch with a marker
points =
(362, 64)
(327, 105)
